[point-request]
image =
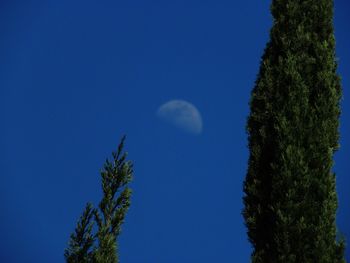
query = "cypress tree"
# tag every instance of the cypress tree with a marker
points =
(115, 177)
(82, 240)
(101, 247)
(290, 197)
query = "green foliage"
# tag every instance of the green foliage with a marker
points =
(101, 247)
(81, 241)
(290, 198)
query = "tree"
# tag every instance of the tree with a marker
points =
(81, 241)
(290, 197)
(101, 247)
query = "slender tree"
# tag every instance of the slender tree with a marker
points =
(82, 240)
(115, 177)
(290, 198)
(101, 247)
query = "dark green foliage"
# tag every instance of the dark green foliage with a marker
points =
(81, 241)
(115, 176)
(101, 247)
(290, 198)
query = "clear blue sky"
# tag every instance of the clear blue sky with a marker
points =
(77, 75)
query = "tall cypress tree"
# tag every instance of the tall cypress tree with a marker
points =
(290, 198)
(101, 247)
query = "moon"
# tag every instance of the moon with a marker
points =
(181, 114)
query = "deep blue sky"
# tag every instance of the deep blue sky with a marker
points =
(76, 75)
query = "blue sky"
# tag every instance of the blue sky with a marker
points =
(77, 75)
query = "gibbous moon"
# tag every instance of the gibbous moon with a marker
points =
(181, 114)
